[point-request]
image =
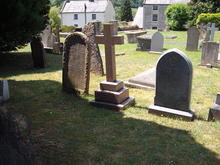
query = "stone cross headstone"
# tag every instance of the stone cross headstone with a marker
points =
(210, 54)
(112, 95)
(76, 64)
(173, 86)
(4, 91)
(208, 32)
(192, 39)
(37, 51)
(212, 30)
(96, 60)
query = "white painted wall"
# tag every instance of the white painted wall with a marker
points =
(109, 12)
(68, 18)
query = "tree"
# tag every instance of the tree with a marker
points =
(56, 2)
(198, 7)
(177, 16)
(54, 16)
(20, 21)
(126, 13)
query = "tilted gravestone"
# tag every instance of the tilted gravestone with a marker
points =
(96, 61)
(209, 54)
(173, 86)
(192, 39)
(214, 112)
(4, 91)
(37, 51)
(76, 64)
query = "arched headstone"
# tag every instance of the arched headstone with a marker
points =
(76, 64)
(173, 85)
(192, 39)
(157, 42)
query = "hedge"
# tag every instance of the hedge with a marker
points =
(209, 17)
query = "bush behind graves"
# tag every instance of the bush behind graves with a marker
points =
(177, 16)
(22, 20)
(66, 28)
(209, 17)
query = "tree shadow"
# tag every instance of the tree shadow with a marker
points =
(17, 63)
(67, 130)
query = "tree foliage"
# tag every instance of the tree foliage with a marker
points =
(54, 15)
(209, 17)
(56, 2)
(177, 16)
(21, 20)
(198, 7)
(126, 13)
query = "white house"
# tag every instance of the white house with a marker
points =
(80, 12)
(152, 14)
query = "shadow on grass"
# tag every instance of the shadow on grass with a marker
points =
(67, 130)
(16, 63)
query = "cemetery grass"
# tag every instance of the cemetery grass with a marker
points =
(67, 130)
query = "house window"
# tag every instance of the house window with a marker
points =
(155, 17)
(154, 27)
(155, 7)
(93, 16)
(75, 16)
(76, 25)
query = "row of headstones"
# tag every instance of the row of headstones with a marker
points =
(205, 36)
(173, 78)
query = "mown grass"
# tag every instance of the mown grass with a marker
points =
(67, 130)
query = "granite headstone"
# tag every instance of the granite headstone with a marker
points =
(76, 64)
(173, 86)
(192, 39)
(4, 91)
(214, 112)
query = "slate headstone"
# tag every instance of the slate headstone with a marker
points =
(173, 85)
(96, 60)
(76, 64)
(210, 54)
(192, 39)
(4, 91)
(37, 51)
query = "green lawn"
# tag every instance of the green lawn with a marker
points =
(67, 130)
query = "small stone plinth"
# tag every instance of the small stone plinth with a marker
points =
(214, 112)
(112, 95)
(132, 35)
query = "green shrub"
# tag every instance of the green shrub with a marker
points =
(177, 16)
(209, 17)
(127, 27)
(66, 28)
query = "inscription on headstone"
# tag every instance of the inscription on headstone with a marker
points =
(173, 85)
(76, 64)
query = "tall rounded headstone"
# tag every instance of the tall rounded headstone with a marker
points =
(173, 85)
(76, 64)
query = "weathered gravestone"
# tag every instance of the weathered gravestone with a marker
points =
(37, 51)
(96, 61)
(173, 86)
(115, 23)
(76, 64)
(112, 95)
(151, 42)
(214, 112)
(192, 39)
(210, 54)
(144, 80)
(4, 91)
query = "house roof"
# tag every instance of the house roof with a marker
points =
(157, 2)
(78, 6)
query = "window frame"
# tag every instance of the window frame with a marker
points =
(154, 17)
(75, 17)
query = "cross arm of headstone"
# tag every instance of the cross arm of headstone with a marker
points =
(116, 40)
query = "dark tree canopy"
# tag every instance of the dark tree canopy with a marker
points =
(20, 21)
(126, 13)
(202, 6)
(56, 2)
